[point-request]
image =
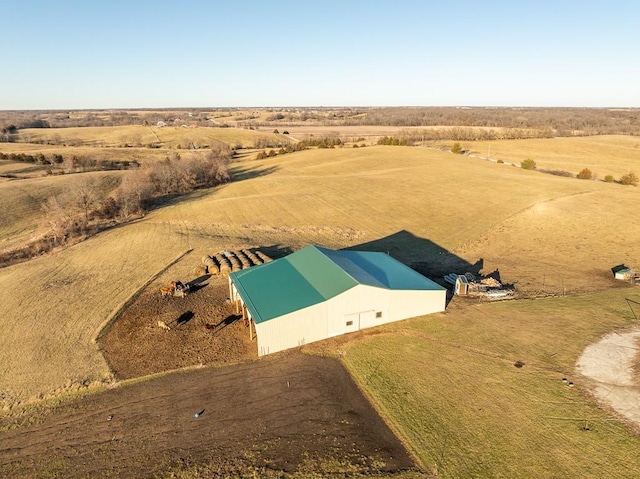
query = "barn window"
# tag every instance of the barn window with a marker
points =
(379, 314)
(349, 323)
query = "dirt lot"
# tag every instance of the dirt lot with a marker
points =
(287, 413)
(608, 365)
(204, 330)
(291, 412)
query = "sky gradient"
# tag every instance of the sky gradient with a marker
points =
(159, 54)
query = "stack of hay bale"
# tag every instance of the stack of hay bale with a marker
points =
(244, 260)
(263, 257)
(235, 262)
(225, 264)
(210, 265)
(251, 257)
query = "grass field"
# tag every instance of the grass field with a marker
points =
(54, 305)
(139, 135)
(449, 384)
(446, 382)
(603, 155)
(22, 202)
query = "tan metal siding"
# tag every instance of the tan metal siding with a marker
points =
(357, 300)
(327, 319)
(291, 330)
(405, 304)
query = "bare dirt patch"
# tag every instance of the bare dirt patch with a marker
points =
(289, 413)
(609, 366)
(203, 329)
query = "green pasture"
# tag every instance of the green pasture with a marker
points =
(449, 386)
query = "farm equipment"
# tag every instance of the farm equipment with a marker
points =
(175, 288)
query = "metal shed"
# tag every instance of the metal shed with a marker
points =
(622, 272)
(316, 293)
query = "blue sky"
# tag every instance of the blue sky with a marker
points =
(136, 54)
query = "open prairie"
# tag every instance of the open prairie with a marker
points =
(139, 135)
(603, 155)
(433, 210)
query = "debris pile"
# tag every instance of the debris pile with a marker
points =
(468, 285)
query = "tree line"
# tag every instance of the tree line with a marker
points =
(91, 205)
(70, 164)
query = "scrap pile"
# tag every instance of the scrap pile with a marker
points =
(467, 285)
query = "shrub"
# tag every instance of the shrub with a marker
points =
(608, 178)
(585, 174)
(528, 164)
(564, 173)
(501, 161)
(276, 131)
(456, 148)
(629, 179)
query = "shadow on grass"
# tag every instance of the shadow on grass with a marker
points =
(426, 257)
(240, 173)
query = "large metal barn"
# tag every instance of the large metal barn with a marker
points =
(316, 293)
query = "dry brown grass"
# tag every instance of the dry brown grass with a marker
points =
(53, 306)
(139, 135)
(22, 202)
(603, 155)
(335, 198)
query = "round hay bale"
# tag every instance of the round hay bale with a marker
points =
(225, 265)
(263, 257)
(253, 259)
(205, 258)
(212, 268)
(200, 270)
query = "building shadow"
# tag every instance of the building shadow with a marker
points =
(421, 254)
(274, 251)
(426, 257)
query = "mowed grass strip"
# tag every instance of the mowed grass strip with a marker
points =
(449, 385)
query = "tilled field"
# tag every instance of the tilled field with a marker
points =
(291, 413)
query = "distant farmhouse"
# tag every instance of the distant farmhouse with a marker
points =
(317, 293)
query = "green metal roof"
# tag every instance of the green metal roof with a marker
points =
(313, 275)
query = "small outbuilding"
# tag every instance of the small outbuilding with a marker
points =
(317, 293)
(622, 272)
(461, 286)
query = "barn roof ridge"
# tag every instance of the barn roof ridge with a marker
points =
(315, 274)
